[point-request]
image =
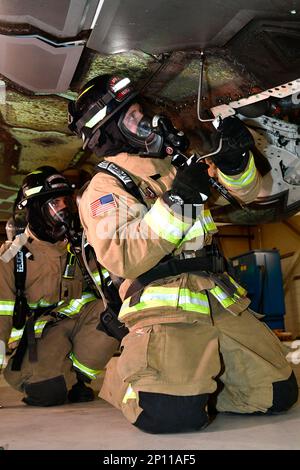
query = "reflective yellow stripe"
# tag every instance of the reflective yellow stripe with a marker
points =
(7, 307)
(241, 291)
(31, 191)
(96, 275)
(246, 178)
(105, 273)
(76, 305)
(16, 335)
(205, 224)
(164, 224)
(39, 326)
(41, 303)
(91, 373)
(209, 224)
(84, 91)
(224, 298)
(174, 297)
(129, 395)
(195, 231)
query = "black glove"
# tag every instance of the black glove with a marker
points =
(80, 393)
(191, 185)
(236, 141)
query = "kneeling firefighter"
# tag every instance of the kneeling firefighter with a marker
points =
(51, 313)
(189, 323)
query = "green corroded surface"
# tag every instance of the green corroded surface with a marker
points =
(35, 112)
(217, 72)
(133, 64)
(38, 148)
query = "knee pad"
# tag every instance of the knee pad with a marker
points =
(285, 394)
(170, 414)
(49, 392)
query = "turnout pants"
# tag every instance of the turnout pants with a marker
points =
(167, 372)
(67, 345)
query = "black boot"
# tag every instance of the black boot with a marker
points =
(80, 393)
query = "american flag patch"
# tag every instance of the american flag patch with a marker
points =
(103, 204)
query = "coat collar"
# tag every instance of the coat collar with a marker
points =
(142, 166)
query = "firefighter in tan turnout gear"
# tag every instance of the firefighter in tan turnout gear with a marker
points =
(47, 308)
(190, 330)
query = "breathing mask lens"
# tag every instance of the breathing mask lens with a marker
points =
(138, 130)
(59, 215)
(144, 128)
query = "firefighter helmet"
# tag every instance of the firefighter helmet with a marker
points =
(99, 100)
(44, 182)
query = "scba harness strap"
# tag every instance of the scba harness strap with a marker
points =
(127, 182)
(208, 261)
(21, 307)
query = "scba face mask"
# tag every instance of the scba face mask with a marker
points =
(138, 130)
(154, 137)
(59, 216)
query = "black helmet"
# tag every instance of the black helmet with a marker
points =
(99, 100)
(46, 196)
(42, 183)
(110, 120)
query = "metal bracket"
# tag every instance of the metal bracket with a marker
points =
(280, 91)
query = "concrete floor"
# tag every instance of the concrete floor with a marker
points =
(98, 426)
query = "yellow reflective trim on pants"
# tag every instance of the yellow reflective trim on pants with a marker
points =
(173, 297)
(91, 373)
(246, 178)
(76, 305)
(165, 224)
(129, 395)
(7, 307)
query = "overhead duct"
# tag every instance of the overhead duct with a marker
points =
(160, 26)
(60, 18)
(37, 65)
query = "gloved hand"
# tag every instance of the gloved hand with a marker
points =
(191, 183)
(236, 141)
